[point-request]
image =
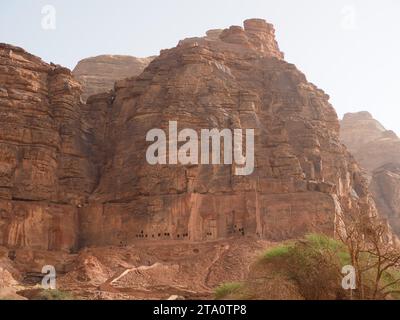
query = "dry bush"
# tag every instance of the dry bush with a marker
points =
(374, 254)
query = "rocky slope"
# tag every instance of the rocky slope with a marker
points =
(98, 74)
(378, 151)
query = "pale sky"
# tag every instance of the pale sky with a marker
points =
(350, 49)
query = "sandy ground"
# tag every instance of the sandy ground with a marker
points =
(144, 270)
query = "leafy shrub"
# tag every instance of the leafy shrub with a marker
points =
(314, 264)
(227, 289)
(55, 295)
(311, 269)
(277, 252)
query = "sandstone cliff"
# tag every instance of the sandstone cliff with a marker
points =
(378, 151)
(75, 175)
(98, 74)
(237, 79)
(45, 170)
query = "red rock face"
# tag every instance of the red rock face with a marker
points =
(98, 74)
(235, 79)
(94, 168)
(45, 171)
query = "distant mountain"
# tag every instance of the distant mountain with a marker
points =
(98, 74)
(378, 151)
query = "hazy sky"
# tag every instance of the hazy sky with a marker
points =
(350, 49)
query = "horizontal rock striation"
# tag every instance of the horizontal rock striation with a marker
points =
(45, 170)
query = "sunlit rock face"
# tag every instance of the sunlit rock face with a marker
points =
(75, 174)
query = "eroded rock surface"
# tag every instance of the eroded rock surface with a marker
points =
(45, 170)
